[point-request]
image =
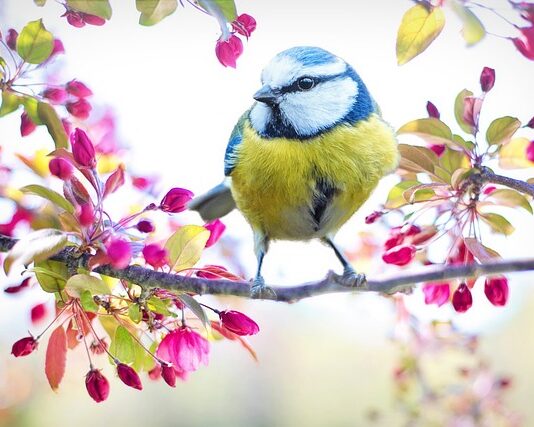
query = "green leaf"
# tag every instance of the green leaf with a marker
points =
(419, 27)
(498, 223)
(50, 195)
(501, 130)
(51, 275)
(220, 9)
(432, 130)
(185, 246)
(34, 247)
(134, 313)
(35, 43)
(99, 8)
(87, 301)
(395, 197)
(40, 3)
(197, 309)
(159, 306)
(153, 11)
(459, 142)
(123, 346)
(510, 198)
(31, 106)
(82, 282)
(459, 111)
(482, 253)
(452, 160)
(10, 102)
(49, 117)
(422, 192)
(473, 31)
(417, 159)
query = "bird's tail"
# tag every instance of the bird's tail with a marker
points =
(216, 203)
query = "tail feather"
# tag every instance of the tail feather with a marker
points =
(216, 203)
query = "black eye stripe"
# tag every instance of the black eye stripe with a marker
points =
(294, 86)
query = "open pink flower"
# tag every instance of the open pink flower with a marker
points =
(525, 43)
(399, 255)
(437, 293)
(216, 229)
(185, 349)
(228, 51)
(155, 255)
(119, 253)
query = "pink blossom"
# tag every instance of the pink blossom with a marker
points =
(145, 226)
(97, 385)
(462, 300)
(119, 253)
(78, 89)
(155, 255)
(438, 149)
(216, 229)
(15, 289)
(61, 168)
(92, 19)
(487, 79)
(399, 255)
(432, 110)
(525, 43)
(372, 217)
(437, 293)
(58, 48)
(79, 109)
(27, 126)
(175, 200)
(238, 322)
(82, 148)
(24, 346)
(244, 25)
(20, 215)
(38, 312)
(11, 39)
(496, 290)
(168, 374)
(86, 214)
(128, 376)
(74, 18)
(55, 95)
(185, 349)
(489, 189)
(472, 106)
(228, 51)
(530, 151)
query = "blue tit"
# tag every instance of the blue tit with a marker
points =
(305, 156)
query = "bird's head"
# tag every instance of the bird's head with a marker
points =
(306, 91)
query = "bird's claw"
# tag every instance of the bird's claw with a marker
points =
(260, 290)
(352, 279)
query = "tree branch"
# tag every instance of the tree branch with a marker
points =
(516, 184)
(332, 283)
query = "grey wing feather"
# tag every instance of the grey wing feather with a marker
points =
(216, 203)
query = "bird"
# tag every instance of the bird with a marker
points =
(305, 156)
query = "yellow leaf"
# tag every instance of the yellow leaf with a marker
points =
(432, 130)
(419, 27)
(185, 246)
(473, 31)
(514, 154)
(501, 130)
(107, 163)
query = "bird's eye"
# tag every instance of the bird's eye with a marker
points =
(305, 83)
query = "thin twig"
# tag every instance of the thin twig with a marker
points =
(524, 187)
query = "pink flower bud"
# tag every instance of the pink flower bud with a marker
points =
(214, 272)
(399, 255)
(58, 48)
(74, 18)
(67, 126)
(228, 51)
(24, 346)
(439, 149)
(372, 217)
(487, 79)
(78, 89)
(462, 300)
(55, 95)
(128, 376)
(216, 229)
(530, 151)
(525, 43)
(27, 126)
(86, 214)
(436, 293)
(38, 312)
(155, 256)
(238, 322)
(61, 168)
(79, 109)
(530, 123)
(496, 290)
(141, 182)
(244, 25)
(145, 226)
(119, 253)
(176, 200)
(432, 110)
(169, 374)
(97, 385)
(82, 148)
(489, 189)
(11, 39)
(472, 106)
(92, 19)
(18, 288)
(155, 373)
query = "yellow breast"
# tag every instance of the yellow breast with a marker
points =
(274, 180)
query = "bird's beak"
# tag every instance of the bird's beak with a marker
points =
(265, 95)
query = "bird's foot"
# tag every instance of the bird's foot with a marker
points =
(260, 290)
(352, 279)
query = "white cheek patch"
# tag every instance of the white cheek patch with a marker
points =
(311, 111)
(260, 116)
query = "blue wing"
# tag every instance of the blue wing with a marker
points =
(232, 149)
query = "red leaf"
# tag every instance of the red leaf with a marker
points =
(56, 357)
(115, 180)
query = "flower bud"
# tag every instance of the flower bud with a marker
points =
(17, 288)
(238, 323)
(372, 217)
(74, 18)
(216, 229)
(119, 253)
(155, 256)
(169, 374)
(58, 48)
(11, 39)
(61, 168)
(155, 373)
(436, 293)
(27, 126)
(92, 19)
(80, 108)
(128, 376)
(86, 214)
(489, 189)
(67, 126)
(244, 25)
(78, 89)
(530, 123)
(176, 200)
(38, 312)
(399, 255)
(432, 110)
(55, 95)
(97, 385)
(438, 149)
(227, 51)
(462, 300)
(487, 79)
(145, 226)
(24, 346)
(496, 290)
(530, 151)
(82, 148)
